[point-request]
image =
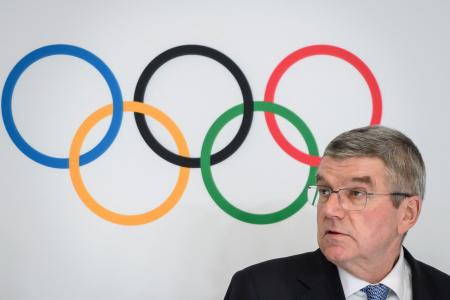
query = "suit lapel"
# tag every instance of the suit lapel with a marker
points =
(321, 279)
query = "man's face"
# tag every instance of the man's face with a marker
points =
(357, 237)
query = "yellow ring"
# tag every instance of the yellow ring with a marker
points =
(89, 201)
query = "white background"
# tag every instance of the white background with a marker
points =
(53, 247)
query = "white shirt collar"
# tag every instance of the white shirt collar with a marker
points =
(394, 280)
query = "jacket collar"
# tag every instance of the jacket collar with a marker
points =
(419, 283)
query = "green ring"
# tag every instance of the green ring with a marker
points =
(205, 164)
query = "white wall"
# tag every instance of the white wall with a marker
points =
(53, 247)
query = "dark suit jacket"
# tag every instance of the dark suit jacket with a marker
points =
(312, 276)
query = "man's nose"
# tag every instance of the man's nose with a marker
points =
(332, 207)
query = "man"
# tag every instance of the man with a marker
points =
(370, 186)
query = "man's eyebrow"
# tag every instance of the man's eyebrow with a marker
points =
(319, 178)
(363, 179)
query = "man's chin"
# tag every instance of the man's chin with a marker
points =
(335, 253)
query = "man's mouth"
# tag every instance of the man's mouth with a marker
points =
(333, 233)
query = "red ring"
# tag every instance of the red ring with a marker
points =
(294, 57)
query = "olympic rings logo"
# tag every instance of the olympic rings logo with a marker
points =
(183, 158)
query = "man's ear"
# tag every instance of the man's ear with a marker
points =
(409, 213)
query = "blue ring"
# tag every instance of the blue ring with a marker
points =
(22, 65)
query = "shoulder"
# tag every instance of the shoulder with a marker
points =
(427, 280)
(435, 275)
(424, 270)
(275, 279)
(289, 265)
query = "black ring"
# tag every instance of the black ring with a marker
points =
(247, 117)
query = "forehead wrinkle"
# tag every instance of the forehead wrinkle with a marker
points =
(352, 171)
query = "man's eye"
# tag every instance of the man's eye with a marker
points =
(324, 191)
(356, 193)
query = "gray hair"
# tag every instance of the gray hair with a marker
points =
(404, 163)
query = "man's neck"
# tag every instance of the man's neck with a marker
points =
(373, 269)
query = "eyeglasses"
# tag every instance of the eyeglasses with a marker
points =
(352, 199)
